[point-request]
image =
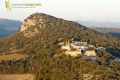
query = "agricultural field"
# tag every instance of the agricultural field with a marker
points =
(17, 77)
(12, 57)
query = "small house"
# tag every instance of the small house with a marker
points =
(66, 47)
(90, 53)
(73, 53)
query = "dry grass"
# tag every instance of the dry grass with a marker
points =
(17, 77)
(12, 57)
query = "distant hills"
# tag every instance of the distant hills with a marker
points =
(8, 26)
(112, 31)
(91, 24)
(112, 28)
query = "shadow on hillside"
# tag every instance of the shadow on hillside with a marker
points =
(115, 34)
(114, 52)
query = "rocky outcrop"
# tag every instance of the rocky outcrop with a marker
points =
(27, 24)
(31, 25)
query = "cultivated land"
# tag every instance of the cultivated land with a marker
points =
(17, 77)
(12, 57)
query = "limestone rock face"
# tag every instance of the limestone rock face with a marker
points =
(31, 25)
(27, 24)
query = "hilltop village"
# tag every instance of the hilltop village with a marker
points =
(77, 48)
(80, 49)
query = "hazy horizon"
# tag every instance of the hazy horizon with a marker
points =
(84, 10)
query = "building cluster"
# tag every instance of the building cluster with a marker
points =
(77, 48)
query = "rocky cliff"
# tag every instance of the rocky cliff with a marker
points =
(29, 25)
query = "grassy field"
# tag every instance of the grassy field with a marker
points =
(12, 57)
(17, 77)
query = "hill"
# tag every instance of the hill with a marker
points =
(112, 31)
(8, 27)
(104, 27)
(46, 30)
(39, 38)
(97, 24)
(114, 34)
